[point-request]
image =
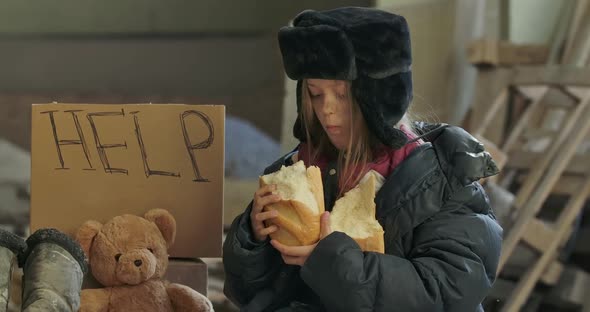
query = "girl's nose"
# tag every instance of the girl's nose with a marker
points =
(329, 105)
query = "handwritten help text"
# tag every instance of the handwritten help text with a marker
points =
(102, 147)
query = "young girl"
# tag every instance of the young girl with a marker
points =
(442, 242)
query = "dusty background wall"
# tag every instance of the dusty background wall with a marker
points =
(242, 73)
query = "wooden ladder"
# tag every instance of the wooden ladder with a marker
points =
(544, 174)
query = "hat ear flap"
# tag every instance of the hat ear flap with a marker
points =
(383, 103)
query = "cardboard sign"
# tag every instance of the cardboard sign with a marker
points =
(94, 162)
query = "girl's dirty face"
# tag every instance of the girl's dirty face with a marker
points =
(332, 106)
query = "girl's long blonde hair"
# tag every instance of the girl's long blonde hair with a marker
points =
(363, 147)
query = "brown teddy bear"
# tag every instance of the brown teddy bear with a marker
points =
(129, 256)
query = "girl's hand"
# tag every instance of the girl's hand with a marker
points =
(297, 255)
(263, 197)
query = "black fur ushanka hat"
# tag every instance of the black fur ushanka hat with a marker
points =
(369, 47)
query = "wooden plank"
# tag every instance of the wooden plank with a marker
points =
(579, 54)
(563, 225)
(539, 233)
(533, 203)
(555, 75)
(559, 35)
(504, 19)
(567, 184)
(580, 11)
(504, 53)
(527, 160)
(496, 19)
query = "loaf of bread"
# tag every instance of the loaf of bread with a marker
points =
(354, 214)
(301, 205)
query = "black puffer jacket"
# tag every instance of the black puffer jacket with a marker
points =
(442, 243)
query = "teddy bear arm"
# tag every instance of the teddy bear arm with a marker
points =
(184, 298)
(94, 300)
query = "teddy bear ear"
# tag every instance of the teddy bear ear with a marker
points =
(86, 234)
(165, 222)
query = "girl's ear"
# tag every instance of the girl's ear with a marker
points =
(165, 222)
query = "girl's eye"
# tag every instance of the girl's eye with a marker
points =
(342, 96)
(315, 95)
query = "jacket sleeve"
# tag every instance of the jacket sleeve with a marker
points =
(249, 266)
(451, 267)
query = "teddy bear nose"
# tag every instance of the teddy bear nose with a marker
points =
(137, 263)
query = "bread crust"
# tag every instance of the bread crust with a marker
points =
(374, 243)
(298, 224)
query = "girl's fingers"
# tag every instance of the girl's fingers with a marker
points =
(295, 251)
(269, 230)
(325, 227)
(267, 200)
(264, 190)
(261, 216)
